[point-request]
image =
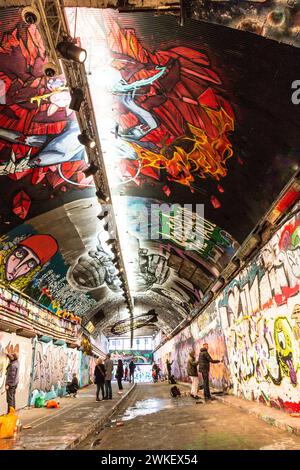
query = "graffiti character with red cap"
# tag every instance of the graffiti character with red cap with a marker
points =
(20, 264)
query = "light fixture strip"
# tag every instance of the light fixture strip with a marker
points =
(54, 29)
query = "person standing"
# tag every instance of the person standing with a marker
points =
(109, 366)
(99, 378)
(204, 364)
(12, 380)
(131, 371)
(126, 373)
(169, 369)
(119, 375)
(193, 374)
(155, 370)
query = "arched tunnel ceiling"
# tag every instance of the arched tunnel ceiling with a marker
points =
(198, 114)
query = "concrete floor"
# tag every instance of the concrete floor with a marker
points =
(152, 420)
(60, 429)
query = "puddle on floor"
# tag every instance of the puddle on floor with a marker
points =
(152, 405)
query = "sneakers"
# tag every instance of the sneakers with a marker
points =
(98, 399)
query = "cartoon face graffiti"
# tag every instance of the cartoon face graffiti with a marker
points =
(290, 244)
(293, 257)
(21, 263)
(284, 348)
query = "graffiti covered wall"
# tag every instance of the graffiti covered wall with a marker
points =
(10, 342)
(255, 324)
(205, 328)
(260, 317)
(53, 367)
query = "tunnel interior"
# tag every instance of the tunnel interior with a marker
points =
(181, 122)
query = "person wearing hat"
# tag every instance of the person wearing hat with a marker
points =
(12, 380)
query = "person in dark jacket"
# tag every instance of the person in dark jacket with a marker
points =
(155, 370)
(12, 380)
(120, 375)
(99, 378)
(204, 364)
(72, 387)
(193, 374)
(131, 371)
(126, 373)
(109, 367)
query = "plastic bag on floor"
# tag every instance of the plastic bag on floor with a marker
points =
(8, 424)
(52, 404)
(39, 402)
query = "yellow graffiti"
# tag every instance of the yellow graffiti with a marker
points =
(195, 153)
(40, 98)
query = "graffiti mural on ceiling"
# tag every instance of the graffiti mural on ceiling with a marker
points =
(138, 357)
(50, 270)
(169, 111)
(41, 160)
(184, 115)
(273, 19)
(124, 326)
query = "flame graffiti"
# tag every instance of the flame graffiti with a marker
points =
(194, 154)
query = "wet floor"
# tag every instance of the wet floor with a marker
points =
(151, 419)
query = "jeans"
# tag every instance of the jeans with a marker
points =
(108, 389)
(11, 397)
(100, 385)
(131, 375)
(205, 375)
(195, 385)
(120, 383)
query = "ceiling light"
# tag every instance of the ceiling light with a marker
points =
(70, 51)
(77, 97)
(291, 195)
(91, 170)
(101, 196)
(102, 216)
(85, 140)
(248, 247)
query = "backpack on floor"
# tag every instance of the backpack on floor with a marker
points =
(175, 392)
(172, 380)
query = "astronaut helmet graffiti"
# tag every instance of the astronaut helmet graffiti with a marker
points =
(31, 252)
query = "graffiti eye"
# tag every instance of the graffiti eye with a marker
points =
(20, 253)
(281, 339)
(32, 263)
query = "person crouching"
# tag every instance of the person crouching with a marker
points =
(72, 387)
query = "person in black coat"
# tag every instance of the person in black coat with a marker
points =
(99, 378)
(131, 371)
(120, 374)
(204, 364)
(12, 380)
